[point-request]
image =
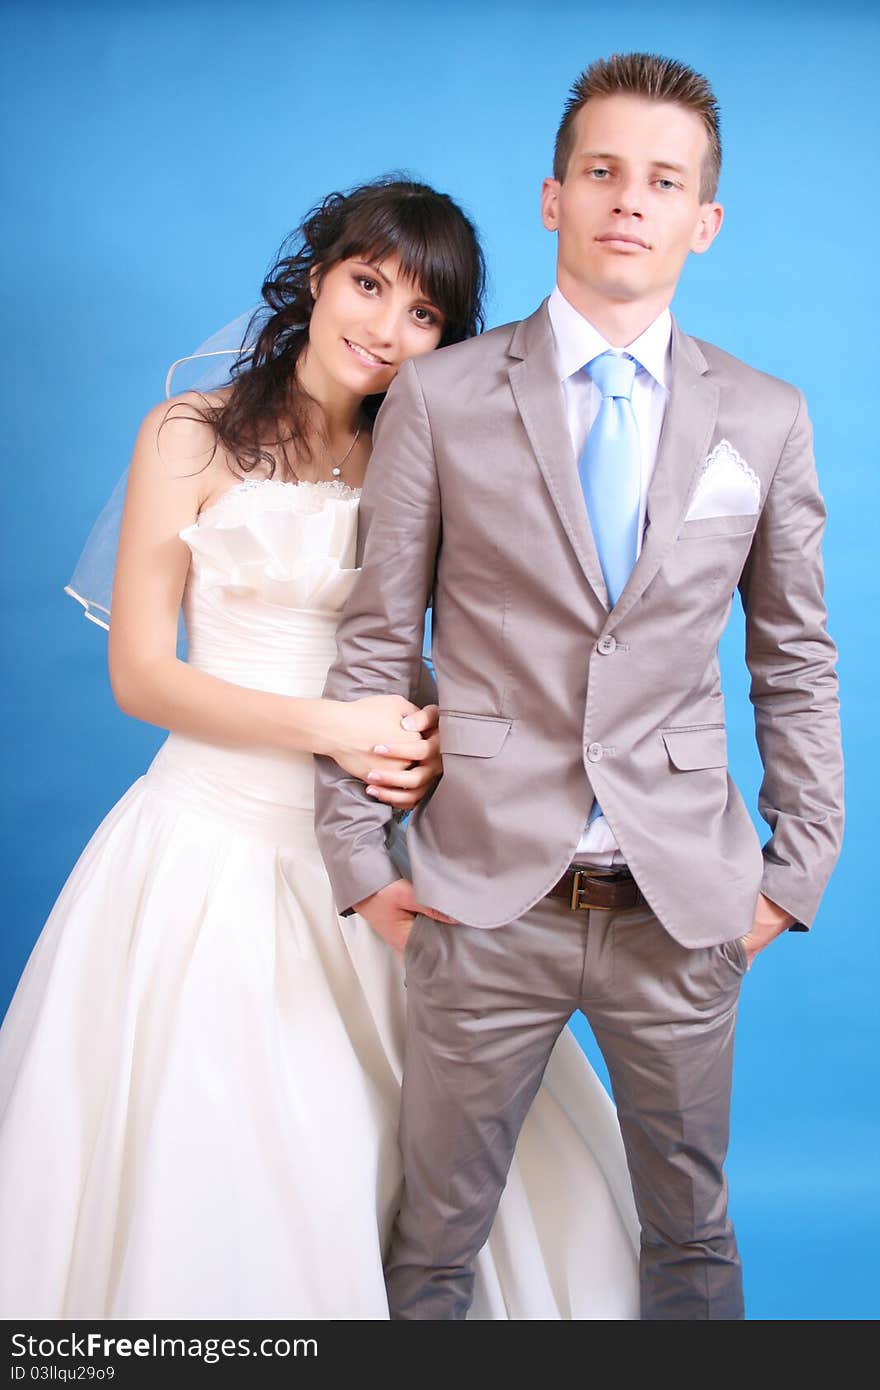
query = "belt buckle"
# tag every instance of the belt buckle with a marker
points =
(577, 888)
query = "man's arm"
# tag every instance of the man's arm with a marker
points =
(379, 642)
(794, 684)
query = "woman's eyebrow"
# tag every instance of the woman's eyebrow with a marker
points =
(377, 268)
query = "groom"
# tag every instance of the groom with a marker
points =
(581, 493)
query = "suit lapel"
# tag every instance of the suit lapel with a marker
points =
(537, 391)
(688, 425)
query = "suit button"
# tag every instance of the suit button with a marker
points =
(594, 752)
(607, 645)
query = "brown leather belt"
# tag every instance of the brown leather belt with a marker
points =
(605, 889)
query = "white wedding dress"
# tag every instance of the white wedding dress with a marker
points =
(200, 1070)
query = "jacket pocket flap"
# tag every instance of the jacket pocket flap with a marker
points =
(691, 749)
(477, 735)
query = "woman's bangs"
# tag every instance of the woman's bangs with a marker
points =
(423, 254)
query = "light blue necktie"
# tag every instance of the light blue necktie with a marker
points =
(610, 471)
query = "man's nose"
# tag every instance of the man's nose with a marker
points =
(629, 201)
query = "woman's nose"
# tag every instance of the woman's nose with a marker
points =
(382, 321)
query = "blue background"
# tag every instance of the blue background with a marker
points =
(155, 154)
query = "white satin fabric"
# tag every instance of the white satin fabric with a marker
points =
(199, 1072)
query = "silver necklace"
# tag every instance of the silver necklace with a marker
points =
(336, 470)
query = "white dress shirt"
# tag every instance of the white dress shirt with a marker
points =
(577, 342)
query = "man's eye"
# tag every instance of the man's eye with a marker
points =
(598, 173)
(667, 183)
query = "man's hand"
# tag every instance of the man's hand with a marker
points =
(390, 913)
(770, 921)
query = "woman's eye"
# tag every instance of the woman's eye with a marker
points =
(425, 316)
(366, 283)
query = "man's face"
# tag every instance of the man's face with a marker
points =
(629, 210)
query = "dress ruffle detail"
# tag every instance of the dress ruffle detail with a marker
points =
(295, 550)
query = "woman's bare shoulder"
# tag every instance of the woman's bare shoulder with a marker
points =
(178, 436)
(185, 419)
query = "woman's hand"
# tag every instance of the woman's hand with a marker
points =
(351, 730)
(388, 743)
(404, 788)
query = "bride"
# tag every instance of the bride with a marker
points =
(200, 1070)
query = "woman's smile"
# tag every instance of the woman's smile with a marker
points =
(368, 358)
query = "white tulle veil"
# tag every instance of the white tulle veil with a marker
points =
(205, 369)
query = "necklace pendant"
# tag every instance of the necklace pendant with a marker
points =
(336, 468)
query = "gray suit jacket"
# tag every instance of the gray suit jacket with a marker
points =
(547, 695)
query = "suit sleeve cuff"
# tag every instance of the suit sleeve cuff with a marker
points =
(364, 885)
(784, 895)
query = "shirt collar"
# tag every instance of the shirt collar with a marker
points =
(578, 342)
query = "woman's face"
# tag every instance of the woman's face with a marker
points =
(367, 320)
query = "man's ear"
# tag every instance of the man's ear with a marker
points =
(549, 204)
(707, 228)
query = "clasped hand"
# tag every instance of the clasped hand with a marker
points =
(390, 744)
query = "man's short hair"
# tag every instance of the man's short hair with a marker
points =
(655, 79)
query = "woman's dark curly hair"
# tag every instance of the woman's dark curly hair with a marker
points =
(438, 249)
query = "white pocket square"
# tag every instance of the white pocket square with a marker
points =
(727, 486)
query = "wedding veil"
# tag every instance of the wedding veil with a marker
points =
(91, 583)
